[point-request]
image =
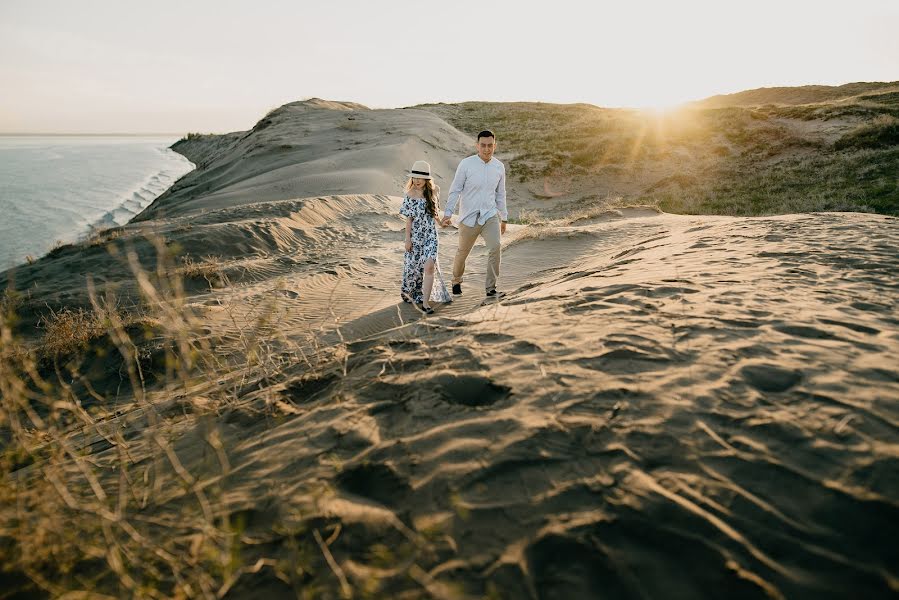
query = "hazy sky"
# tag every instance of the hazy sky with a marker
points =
(219, 65)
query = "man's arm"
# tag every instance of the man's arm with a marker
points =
(501, 201)
(454, 191)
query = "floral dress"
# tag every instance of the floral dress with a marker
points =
(424, 246)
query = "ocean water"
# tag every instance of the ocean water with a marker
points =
(60, 188)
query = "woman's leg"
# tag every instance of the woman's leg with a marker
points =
(406, 287)
(427, 283)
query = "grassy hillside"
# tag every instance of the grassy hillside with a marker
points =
(806, 94)
(832, 156)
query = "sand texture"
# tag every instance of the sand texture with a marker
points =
(663, 406)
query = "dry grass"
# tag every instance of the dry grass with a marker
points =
(210, 268)
(101, 493)
(529, 217)
(738, 160)
(72, 518)
(102, 237)
(881, 132)
(68, 331)
(10, 302)
(801, 95)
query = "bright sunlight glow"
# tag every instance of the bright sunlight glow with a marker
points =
(122, 66)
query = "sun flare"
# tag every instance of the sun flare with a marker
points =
(662, 109)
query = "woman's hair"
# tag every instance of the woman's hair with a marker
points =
(432, 195)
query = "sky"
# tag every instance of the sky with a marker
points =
(212, 66)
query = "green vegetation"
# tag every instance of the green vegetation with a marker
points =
(193, 135)
(806, 94)
(882, 132)
(717, 159)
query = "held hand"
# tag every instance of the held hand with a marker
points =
(502, 227)
(445, 221)
(408, 245)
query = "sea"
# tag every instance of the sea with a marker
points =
(59, 189)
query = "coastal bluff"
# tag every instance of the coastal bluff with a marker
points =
(311, 148)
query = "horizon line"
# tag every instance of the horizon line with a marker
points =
(91, 134)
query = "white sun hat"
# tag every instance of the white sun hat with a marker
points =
(420, 170)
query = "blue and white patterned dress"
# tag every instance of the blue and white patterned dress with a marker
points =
(424, 246)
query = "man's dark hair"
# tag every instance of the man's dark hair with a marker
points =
(486, 133)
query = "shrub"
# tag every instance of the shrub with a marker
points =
(68, 331)
(882, 132)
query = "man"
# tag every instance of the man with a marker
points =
(479, 188)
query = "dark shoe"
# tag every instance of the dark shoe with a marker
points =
(495, 294)
(457, 289)
(425, 309)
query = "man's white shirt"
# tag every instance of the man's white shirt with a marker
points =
(480, 190)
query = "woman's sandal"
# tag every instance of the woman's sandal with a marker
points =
(425, 309)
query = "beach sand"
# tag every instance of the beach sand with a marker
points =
(663, 406)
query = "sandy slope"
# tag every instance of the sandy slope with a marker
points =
(313, 148)
(712, 401)
(664, 406)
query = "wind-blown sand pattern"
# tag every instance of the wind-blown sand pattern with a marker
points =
(663, 406)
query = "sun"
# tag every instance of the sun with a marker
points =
(662, 109)
(659, 101)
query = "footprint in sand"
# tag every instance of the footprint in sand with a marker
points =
(770, 378)
(306, 389)
(471, 390)
(377, 481)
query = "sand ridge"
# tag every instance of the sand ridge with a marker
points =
(312, 148)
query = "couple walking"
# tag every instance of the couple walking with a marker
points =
(479, 190)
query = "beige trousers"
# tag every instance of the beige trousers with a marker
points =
(467, 237)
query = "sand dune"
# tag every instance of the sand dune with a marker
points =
(314, 148)
(710, 400)
(663, 407)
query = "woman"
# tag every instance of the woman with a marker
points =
(420, 268)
